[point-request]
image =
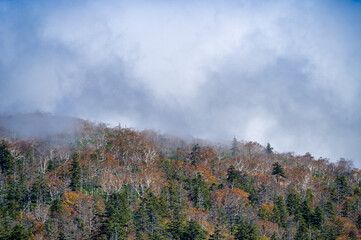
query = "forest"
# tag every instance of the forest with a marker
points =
(120, 183)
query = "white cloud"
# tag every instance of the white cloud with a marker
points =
(285, 72)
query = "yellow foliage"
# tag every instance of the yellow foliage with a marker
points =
(73, 201)
(267, 208)
(264, 238)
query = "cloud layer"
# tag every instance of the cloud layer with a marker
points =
(284, 72)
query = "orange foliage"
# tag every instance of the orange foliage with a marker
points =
(207, 175)
(74, 201)
(230, 196)
(240, 193)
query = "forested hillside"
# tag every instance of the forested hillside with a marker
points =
(119, 183)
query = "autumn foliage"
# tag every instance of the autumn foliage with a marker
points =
(119, 183)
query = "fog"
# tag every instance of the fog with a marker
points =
(283, 72)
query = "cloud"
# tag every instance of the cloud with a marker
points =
(284, 72)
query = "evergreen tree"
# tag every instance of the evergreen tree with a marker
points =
(199, 193)
(194, 231)
(195, 154)
(75, 182)
(176, 229)
(280, 211)
(6, 159)
(19, 233)
(269, 149)
(330, 210)
(232, 175)
(293, 202)
(116, 218)
(51, 166)
(317, 218)
(39, 191)
(234, 148)
(348, 207)
(245, 230)
(342, 188)
(149, 216)
(306, 212)
(278, 170)
(302, 231)
(15, 195)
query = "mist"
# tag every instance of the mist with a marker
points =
(283, 72)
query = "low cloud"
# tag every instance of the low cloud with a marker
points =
(284, 72)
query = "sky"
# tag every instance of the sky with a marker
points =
(282, 72)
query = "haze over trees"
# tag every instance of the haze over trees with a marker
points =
(119, 183)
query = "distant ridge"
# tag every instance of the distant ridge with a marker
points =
(36, 124)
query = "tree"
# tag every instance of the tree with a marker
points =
(342, 188)
(234, 148)
(232, 175)
(280, 211)
(293, 202)
(195, 154)
(75, 170)
(194, 231)
(330, 210)
(149, 216)
(6, 159)
(278, 170)
(317, 218)
(302, 231)
(269, 149)
(217, 235)
(199, 193)
(244, 230)
(116, 218)
(19, 233)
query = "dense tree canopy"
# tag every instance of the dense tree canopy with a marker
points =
(118, 183)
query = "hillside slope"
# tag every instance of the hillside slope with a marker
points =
(110, 183)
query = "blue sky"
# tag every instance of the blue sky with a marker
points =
(284, 72)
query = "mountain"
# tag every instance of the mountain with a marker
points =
(36, 124)
(120, 183)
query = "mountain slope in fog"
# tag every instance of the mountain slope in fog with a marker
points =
(36, 125)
